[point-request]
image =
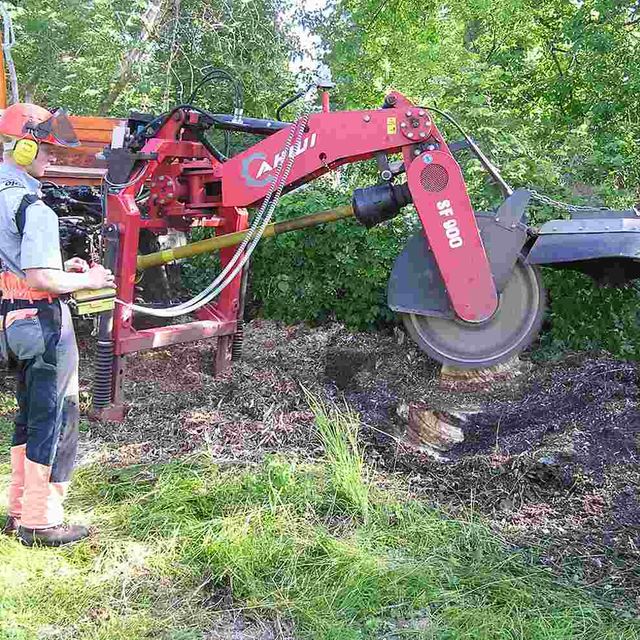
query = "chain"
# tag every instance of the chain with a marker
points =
(569, 208)
(535, 195)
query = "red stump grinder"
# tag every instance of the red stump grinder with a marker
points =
(467, 286)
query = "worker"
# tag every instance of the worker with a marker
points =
(36, 328)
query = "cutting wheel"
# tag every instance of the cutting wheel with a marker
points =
(513, 326)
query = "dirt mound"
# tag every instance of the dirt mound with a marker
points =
(595, 402)
(551, 460)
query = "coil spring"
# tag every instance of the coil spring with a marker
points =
(238, 339)
(103, 376)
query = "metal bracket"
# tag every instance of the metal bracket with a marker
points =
(590, 225)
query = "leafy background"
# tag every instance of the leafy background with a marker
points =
(548, 88)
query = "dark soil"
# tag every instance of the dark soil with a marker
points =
(551, 461)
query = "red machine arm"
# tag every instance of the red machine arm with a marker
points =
(187, 184)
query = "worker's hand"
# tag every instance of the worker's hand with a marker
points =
(76, 265)
(100, 278)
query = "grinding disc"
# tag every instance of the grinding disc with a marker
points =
(513, 326)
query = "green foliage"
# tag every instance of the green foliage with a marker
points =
(548, 89)
(70, 53)
(338, 271)
(586, 317)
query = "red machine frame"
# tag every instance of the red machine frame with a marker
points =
(188, 186)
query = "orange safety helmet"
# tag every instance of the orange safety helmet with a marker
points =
(31, 125)
(24, 120)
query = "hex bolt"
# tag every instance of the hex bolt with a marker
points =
(408, 114)
(423, 134)
(416, 152)
(367, 118)
(409, 135)
(403, 125)
(421, 112)
(431, 147)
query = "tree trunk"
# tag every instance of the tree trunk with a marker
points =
(151, 20)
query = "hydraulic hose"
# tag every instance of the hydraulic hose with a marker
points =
(248, 245)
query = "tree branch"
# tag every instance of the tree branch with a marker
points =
(151, 19)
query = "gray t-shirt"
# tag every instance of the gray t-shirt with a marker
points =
(39, 246)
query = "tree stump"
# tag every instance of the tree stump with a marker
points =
(457, 379)
(438, 427)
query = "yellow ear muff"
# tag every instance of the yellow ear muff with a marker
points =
(25, 151)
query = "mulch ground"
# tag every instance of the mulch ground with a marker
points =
(551, 462)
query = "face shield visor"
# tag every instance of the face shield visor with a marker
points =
(57, 130)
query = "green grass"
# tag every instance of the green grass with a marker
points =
(317, 543)
(338, 429)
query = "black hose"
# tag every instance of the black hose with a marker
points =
(291, 100)
(151, 128)
(238, 103)
(221, 74)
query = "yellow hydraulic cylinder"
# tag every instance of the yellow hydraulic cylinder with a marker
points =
(231, 239)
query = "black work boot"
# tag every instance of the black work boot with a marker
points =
(10, 526)
(52, 536)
